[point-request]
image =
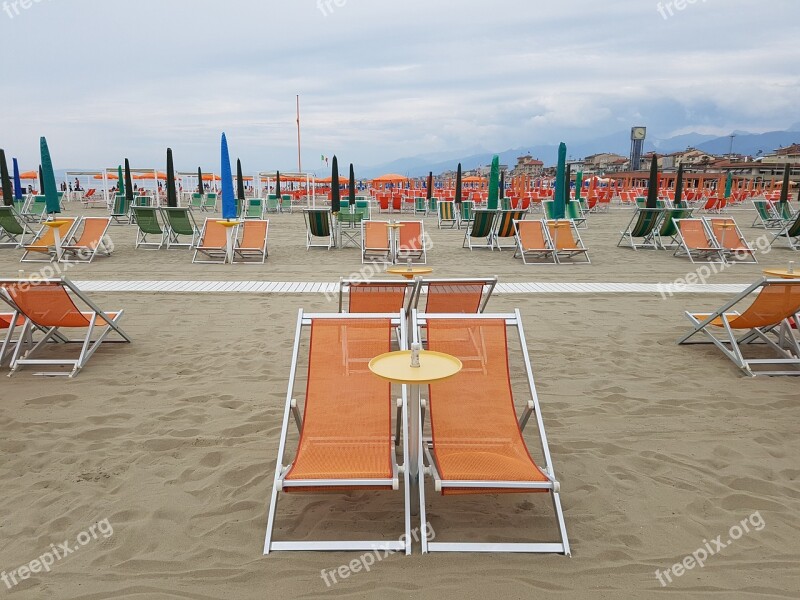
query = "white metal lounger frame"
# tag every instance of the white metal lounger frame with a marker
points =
(86, 254)
(51, 256)
(532, 409)
(526, 253)
(252, 253)
(412, 290)
(418, 257)
(291, 411)
(89, 345)
(733, 255)
(786, 344)
(684, 250)
(310, 238)
(649, 240)
(172, 237)
(566, 253)
(216, 256)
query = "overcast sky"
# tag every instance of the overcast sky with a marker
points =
(380, 80)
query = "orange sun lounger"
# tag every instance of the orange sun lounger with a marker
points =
(253, 246)
(345, 424)
(477, 444)
(91, 242)
(533, 242)
(213, 244)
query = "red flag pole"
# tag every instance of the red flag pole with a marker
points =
(299, 163)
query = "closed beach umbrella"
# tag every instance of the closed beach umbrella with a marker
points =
(494, 184)
(336, 198)
(559, 200)
(430, 185)
(52, 205)
(121, 180)
(8, 192)
(567, 184)
(41, 180)
(128, 183)
(172, 193)
(787, 171)
(578, 185)
(200, 187)
(652, 186)
(278, 184)
(503, 184)
(352, 197)
(458, 184)
(239, 180)
(679, 187)
(228, 200)
(729, 185)
(17, 182)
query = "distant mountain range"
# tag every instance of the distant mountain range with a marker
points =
(751, 144)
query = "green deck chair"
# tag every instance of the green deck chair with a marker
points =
(790, 231)
(350, 218)
(272, 203)
(286, 203)
(647, 221)
(146, 218)
(505, 203)
(121, 211)
(504, 228)
(766, 217)
(420, 206)
(465, 214)
(362, 206)
(433, 206)
(196, 203)
(12, 228)
(447, 214)
(210, 203)
(180, 222)
(319, 225)
(668, 229)
(574, 213)
(37, 209)
(255, 209)
(784, 210)
(481, 228)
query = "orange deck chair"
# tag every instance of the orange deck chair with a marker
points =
(43, 247)
(377, 296)
(567, 241)
(213, 244)
(345, 425)
(50, 306)
(534, 244)
(91, 242)
(729, 237)
(768, 320)
(375, 241)
(477, 444)
(696, 241)
(410, 242)
(252, 248)
(457, 296)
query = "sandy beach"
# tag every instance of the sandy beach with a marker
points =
(173, 440)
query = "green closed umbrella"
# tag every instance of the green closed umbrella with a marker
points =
(578, 185)
(728, 185)
(336, 196)
(652, 186)
(52, 205)
(494, 184)
(559, 199)
(458, 184)
(787, 171)
(200, 188)
(121, 181)
(567, 184)
(128, 188)
(352, 196)
(8, 190)
(239, 181)
(679, 187)
(502, 184)
(172, 192)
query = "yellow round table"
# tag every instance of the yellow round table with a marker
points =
(398, 367)
(229, 224)
(409, 273)
(782, 273)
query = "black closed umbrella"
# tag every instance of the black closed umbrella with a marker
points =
(652, 187)
(336, 196)
(240, 181)
(128, 184)
(787, 172)
(200, 188)
(172, 192)
(502, 185)
(352, 193)
(430, 185)
(679, 187)
(458, 184)
(8, 190)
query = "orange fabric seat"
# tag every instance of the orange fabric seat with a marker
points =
(377, 298)
(772, 305)
(47, 239)
(461, 297)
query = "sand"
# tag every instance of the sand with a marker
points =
(174, 438)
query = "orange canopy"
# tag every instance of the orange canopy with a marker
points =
(390, 178)
(108, 176)
(150, 176)
(342, 180)
(210, 177)
(473, 179)
(29, 175)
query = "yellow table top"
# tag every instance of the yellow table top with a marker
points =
(396, 367)
(56, 223)
(409, 273)
(229, 223)
(782, 273)
(395, 225)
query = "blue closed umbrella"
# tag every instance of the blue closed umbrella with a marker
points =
(17, 182)
(228, 199)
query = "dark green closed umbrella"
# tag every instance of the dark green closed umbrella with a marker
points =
(679, 187)
(336, 196)
(41, 180)
(239, 180)
(578, 185)
(128, 184)
(352, 197)
(458, 184)
(121, 181)
(494, 184)
(172, 192)
(787, 172)
(559, 199)
(200, 188)
(502, 184)
(52, 205)
(430, 186)
(567, 184)
(652, 186)
(728, 185)
(8, 190)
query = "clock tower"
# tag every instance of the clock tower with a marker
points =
(638, 135)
